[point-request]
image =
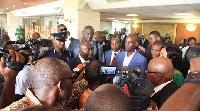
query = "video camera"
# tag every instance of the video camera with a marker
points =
(29, 51)
(139, 89)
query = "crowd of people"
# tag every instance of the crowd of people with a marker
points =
(68, 77)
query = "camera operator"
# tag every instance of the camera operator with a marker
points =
(10, 78)
(160, 73)
(94, 79)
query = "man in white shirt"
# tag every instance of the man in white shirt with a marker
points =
(131, 57)
(191, 43)
(110, 55)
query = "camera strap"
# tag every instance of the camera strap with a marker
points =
(17, 66)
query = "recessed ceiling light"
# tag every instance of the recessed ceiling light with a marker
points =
(6, 8)
(1, 12)
(25, 3)
(183, 14)
(110, 18)
(14, 6)
(131, 15)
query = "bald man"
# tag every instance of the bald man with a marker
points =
(160, 73)
(131, 57)
(108, 97)
(187, 98)
(87, 33)
(86, 51)
(51, 84)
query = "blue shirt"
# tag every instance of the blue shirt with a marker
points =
(66, 55)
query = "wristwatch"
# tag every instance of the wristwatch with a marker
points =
(193, 77)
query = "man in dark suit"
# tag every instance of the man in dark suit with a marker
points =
(144, 41)
(110, 55)
(123, 38)
(101, 38)
(86, 51)
(131, 57)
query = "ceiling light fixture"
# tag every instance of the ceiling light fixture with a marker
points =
(131, 15)
(190, 27)
(25, 3)
(135, 25)
(1, 12)
(6, 8)
(183, 14)
(14, 6)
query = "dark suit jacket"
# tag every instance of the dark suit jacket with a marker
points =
(137, 61)
(73, 63)
(107, 46)
(145, 43)
(123, 42)
(147, 54)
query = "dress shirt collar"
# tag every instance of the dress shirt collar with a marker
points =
(158, 88)
(82, 60)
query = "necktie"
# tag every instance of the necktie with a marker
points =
(113, 61)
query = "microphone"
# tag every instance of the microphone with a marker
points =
(77, 70)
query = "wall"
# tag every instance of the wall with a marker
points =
(182, 32)
(13, 22)
(3, 22)
(106, 26)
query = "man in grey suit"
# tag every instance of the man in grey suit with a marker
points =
(87, 33)
(110, 55)
(131, 58)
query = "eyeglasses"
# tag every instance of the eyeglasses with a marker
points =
(194, 75)
(63, 80)
(88, 50)
(63, 29)
(152, 72)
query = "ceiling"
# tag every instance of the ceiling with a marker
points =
(147, 10)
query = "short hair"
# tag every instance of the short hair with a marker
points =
(108, 97)
(92, 74)
(47, 71)
(156, 33)
(124, 29)
(158, 43)
(191, 39)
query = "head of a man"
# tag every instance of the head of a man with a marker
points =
(59, 40)
(86, 50)
(108, 97)
(36, 36)
(100, 37)
(131, 42)
(143, 36)
(115, 44)
(88, 33)
(123, 30)
(5, 38)
(154, 36)
(52, 81)
(160, 70)
(192, 42)
(109, 37)
(156, 48)
(61, 28)
(92, 74)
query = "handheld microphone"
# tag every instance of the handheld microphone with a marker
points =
(78, 68)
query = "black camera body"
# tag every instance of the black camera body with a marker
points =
(29, 51)
(139, 89)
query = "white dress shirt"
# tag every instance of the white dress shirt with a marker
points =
(83, 61)
(127, 59)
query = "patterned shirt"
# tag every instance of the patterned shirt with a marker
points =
(28, 100)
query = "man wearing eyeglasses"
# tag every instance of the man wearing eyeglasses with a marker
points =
(86, 51)
(51, 84)
(160, 73)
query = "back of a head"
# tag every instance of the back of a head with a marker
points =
(92, 73)
(108, 97)
(158, 43)
(47, 71)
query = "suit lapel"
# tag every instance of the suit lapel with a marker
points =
(133, 60)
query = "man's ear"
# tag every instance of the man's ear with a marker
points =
(59, 85)
(136, 44)
(52, 95)
(158, 38)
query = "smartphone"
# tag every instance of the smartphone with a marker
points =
(108, 70)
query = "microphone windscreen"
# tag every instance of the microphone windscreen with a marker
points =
(80, 66)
